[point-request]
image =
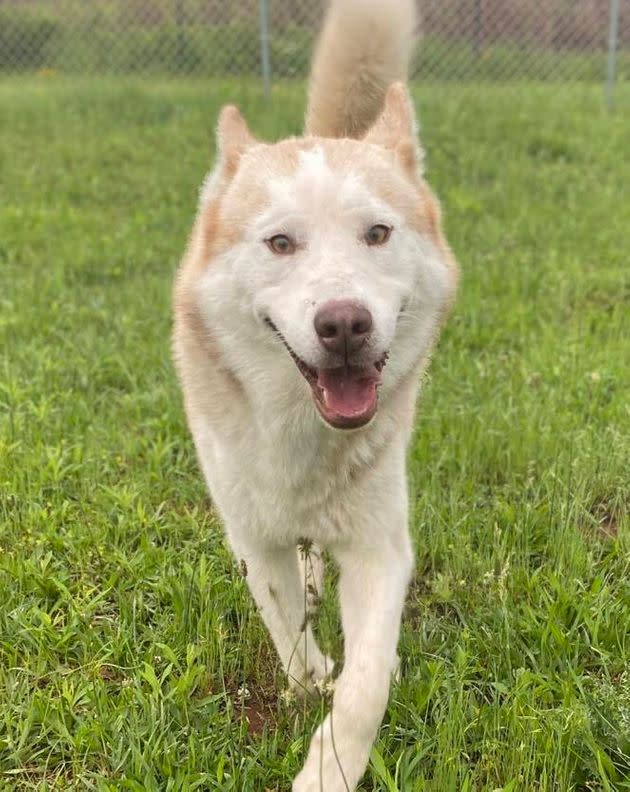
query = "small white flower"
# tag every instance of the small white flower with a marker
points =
(287, 696)
(325, 686)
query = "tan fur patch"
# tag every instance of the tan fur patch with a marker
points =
(390, 174)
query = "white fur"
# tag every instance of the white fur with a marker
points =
(277, 473)
(327, 213)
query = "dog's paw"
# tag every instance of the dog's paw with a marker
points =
(335, 761)
(326, 778)
(315, 677)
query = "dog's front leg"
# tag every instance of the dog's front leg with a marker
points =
(373, 583)
(273, 577)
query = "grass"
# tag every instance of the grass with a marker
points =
(131, 657)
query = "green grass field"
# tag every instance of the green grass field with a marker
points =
(131, 656)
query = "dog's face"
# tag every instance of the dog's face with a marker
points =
(335, 252)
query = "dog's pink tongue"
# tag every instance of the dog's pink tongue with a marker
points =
(351, 391)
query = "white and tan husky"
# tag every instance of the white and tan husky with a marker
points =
(314, 286)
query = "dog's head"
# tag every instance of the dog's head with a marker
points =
(325, 255)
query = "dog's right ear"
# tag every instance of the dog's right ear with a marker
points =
(233, 138)
(396, 128)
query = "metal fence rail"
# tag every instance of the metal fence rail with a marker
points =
(458, 40)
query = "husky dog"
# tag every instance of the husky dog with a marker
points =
(313, 288)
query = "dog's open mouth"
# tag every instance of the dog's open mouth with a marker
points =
(346, 396)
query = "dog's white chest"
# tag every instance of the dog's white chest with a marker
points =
(286, 485)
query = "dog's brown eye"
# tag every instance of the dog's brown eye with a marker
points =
(378, 234)
(281, 244)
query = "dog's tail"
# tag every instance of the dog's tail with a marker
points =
(365, 46)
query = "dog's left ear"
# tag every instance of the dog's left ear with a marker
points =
(233, 138)
(397, 129)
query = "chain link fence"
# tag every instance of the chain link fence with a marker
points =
(458, 40)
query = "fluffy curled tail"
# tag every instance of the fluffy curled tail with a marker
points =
(365, 46)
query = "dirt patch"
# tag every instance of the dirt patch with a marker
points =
(609, 526)
(259, 712)
(256, 707)
(605, 520)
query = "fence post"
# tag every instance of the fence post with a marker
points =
(611, 71)
(180, 22)
(478, 28)
(265, 66)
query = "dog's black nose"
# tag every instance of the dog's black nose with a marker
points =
(343, 326)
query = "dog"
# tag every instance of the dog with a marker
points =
(314, 285)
